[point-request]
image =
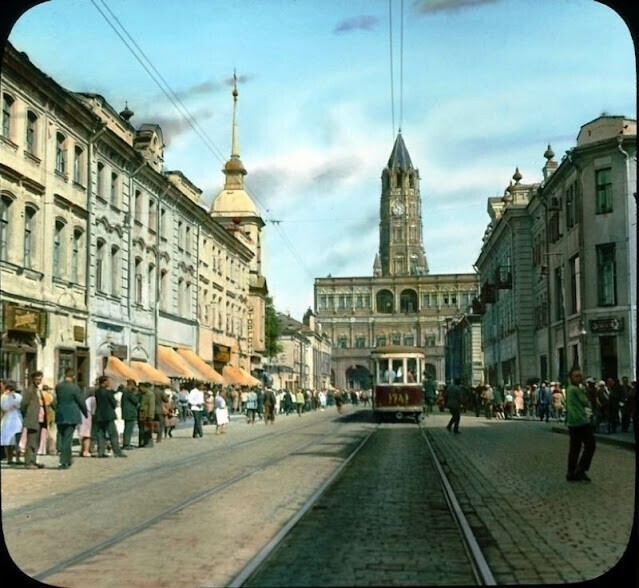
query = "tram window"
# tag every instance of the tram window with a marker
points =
(411, 366)
(398, 369)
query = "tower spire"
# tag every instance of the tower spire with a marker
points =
(235, 150)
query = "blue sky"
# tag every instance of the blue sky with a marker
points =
(485, 86)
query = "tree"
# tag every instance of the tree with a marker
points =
(272, 330)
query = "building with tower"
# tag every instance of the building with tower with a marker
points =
(402, 302)
(235, 210)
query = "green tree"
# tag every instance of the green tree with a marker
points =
(272, 330)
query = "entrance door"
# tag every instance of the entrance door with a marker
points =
(608, 357)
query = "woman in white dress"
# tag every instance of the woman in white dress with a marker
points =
(11, 424)
(221, 412)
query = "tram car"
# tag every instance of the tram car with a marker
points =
(397, 388)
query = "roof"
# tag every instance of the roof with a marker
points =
(233, 202)
(399, 157)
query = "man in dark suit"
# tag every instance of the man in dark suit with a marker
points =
(69, 405)
(33, 419)
(129, 403)
(105, 404)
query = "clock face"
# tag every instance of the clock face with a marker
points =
(397, 207)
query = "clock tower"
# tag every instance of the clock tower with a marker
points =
(401, 250)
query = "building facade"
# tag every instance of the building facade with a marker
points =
(402, 303)
(579, 274)
(107, 260)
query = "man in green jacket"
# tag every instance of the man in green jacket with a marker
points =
(578, 413)
(453, 403)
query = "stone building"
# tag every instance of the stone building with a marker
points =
(572, 244)
(402, 302)
(109, 263)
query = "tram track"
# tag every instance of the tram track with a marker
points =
(277, 564)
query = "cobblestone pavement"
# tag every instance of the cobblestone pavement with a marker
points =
(385, 522)
(534, 526)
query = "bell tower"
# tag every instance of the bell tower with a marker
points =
(401, 249)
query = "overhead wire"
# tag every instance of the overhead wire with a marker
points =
(175, 100)
(392, 81)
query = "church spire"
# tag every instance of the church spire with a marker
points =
(234, 169)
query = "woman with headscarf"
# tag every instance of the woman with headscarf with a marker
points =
(11, 424)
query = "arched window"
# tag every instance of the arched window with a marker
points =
(78, 161)
(116, 271)
(31, 136)
(137, 206)
(151, 284)
(7, 113)
(180, 300)
(138, 281)
(99, 265)
(164, 289)
(58, 248)
(60, 153)
(99, 182)
(115, 189)
(29, 236)
(408, 301)
(5, 203)
(385, 302)
(75, 258)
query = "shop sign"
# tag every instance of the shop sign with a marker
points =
(78, 334)
(607, 325)
(221, 353)
(119, 351)
(27, 320)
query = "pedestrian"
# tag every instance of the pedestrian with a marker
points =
(251, 406)
(221, 413)
(259, 410)
(487, 399)
(288, 402)
(519, 400)
(11, 425)
(429, 395)
(321, 399)
(616, 395)
(70, 406)
(34, 420)
(146, 413)
(544, 399)
(338, 401)
(47, 433)
(557, 403)
(578, 413)
(626, 409)
(105, 416)
(196, 402)
(183, 402)
(269, 406)
(129, 403)
(169, 414)
(299, 401)
(453, 403)
(86, 427)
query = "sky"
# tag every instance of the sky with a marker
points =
(477, 87)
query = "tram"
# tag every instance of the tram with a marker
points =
(397, 386)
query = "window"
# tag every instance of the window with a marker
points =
(180, 235)
(162, 223)
(138, 281)
(559, 295)
(164, 289)
(137, 206)
(77, 164)
(29, 236)
(60, 153)
(603, 187)
(187, 239)
(114, 189)
(570, 207)
(409, 340)
(32, 122)
(99, 265)
(180, 300)
(396, 339)
(151, 284)
(380, 341)
(360, 342)
(152, 214)
(575, 294)
(606, 278)
(75, 258)
(342, 342)
(115, 270)
(99, 188)
(5, 203)
(58, 249)
(7, 111)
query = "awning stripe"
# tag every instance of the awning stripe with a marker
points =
(208, 374)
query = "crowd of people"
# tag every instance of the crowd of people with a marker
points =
(41, 420)
(613, 401)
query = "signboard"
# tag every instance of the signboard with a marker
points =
(78, 334)
(221, 353)
(119, 351)
(607, 325)
(27, 320)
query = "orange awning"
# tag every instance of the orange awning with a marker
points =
(119, 372)
(252, 380)
(234, 377)
(150, 374)
(173, 365)
(197, 363)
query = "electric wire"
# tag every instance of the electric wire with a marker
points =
(183, 111)
(392, 82)
(401, 64)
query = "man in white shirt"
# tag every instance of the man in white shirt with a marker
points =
(196, 401)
